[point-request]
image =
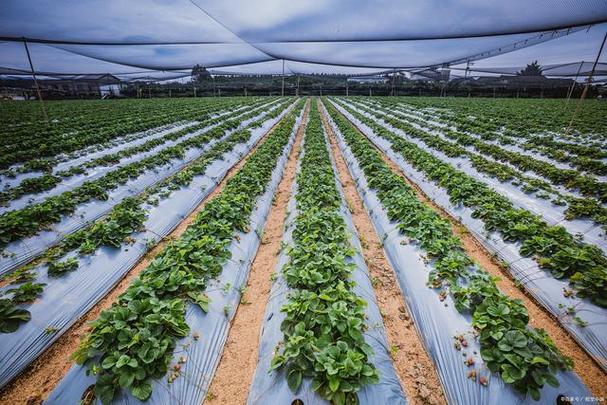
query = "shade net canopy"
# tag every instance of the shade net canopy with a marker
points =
(166, 38)
(572, 69)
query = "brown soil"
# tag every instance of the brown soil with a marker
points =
(413, 366)
(585, 367)
(37, 381)
(231, 382)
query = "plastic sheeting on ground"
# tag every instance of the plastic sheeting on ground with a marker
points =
(407, 111)
(95, 173)
(26, 249)
(67, 298)
(552, 214)
(66, 162)
(271, 386)
(85, 155)
(201, 354)
(437, 322)
(540, 284)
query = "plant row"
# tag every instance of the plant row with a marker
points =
(587, 207)
(569, 151)
(571, 179)
(579, 152)
(126, 218)
(132, 342)
(524, 357)
(80, 124)
(115, 229)
(553, 248)
(27, 221)
(49, 181)
(523, 119)
(324, 323)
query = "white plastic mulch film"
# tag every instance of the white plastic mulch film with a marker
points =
(163, 40)
(97, 172)
(202, 352)
(271, 386)
(25, 249)
(552, 214)
(437, 323)
(69, 297)
(546, 289)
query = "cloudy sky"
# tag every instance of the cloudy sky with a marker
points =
(176, 34)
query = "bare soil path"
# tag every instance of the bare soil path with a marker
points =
(39, 379)
(584, 365)
(231, 382)
(411, 361)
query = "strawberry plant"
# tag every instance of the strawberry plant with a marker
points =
(566, 255)
(132, 342)
(324, 323)
(57, 268)
(524, 357)
(11, 316)
(26, 292)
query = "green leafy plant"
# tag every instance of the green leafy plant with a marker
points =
(60, 268)
(26, 292)
(324, 322)
(524, 357)
(11, 316)
(132, 342)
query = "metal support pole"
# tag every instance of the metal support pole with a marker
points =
(346, 87)
(282, 92)
(393, 76)
(29, 58)
(579, 104)
(194, 92)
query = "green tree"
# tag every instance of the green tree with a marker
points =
(200, 74)
(532, 69)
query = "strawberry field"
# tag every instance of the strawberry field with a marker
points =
(303, 250)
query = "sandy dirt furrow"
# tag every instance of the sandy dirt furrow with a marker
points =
(39, 379)
(584, 365)
(231, 382)
(412, 363)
